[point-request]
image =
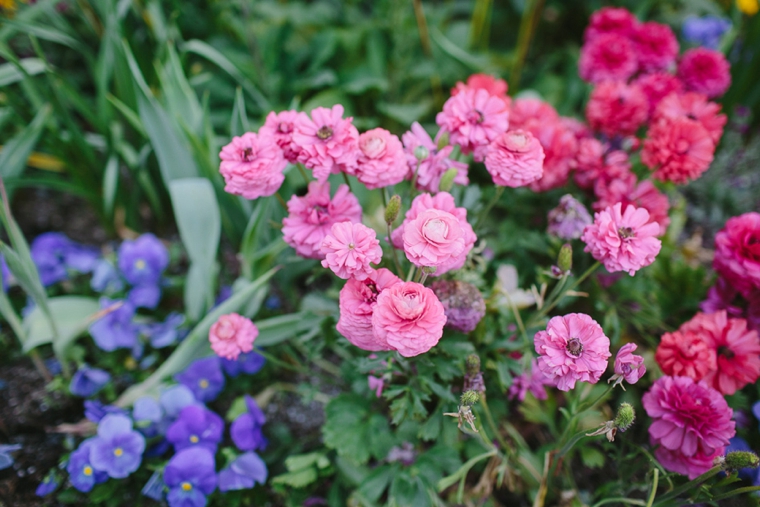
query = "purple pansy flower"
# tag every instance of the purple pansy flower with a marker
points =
(246, 429)
(117, 450)
(95, 410)
(6, 273)
(190, 476)
(243, 473)
(54, 254)
(247, 362)
(163, 334)
(142, 262)
(204, 377)
(81, 472)
(175, 398)
(116, 329)
(47, 486)
(145, 296)
(105, 278)
(706, 31)
(88, 381)
(196, 426)
(148, 416)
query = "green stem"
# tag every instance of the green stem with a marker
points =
(546, 309)
(479, 25)
(303, 173)
(487, 209)
(689, 485)
(531, 15)
(345, 178)
(619, 500)
(410, 276)
(735, 492)
(399, 269)
(492, 425)
(281, 201)
(518, 318)
(655, 480)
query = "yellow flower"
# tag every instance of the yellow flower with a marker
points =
(749, 7)
(8, 5)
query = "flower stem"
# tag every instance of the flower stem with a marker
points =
(345, 178)
(530, 17)
(399, 269)
(655, 480)
(492, 424)
(689, 485)
(303, 173)
(281, 201)
(487, 209)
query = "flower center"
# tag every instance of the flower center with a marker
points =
(626, 232)
(186, 486)
(87, 470)
(682, 146)
(203, 383)
(139, 264)
(475, 116)
(436, 229)
(247, 153)
(284, 128)
(118, 452)
(726, 352)
(351, 246)
(194, 439)
(574, 346)
(373, 147)
(324, 132)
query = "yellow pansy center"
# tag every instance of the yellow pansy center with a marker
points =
(87, 470)
(186, 486)
(203, 383)
(194, 439)
(140, 264)
(118, 452)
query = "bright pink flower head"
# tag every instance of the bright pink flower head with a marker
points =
(409, 317)
(694, 106)
(657, 86)
(357, 304)
(617, 108)
(533, 381)
(680, 149)
(642, 195)
(349, 248)
(281, 126)
(433, 239)
(721, 296)
(473, 118)
(606, 20)
(685, 354)
(656, 46)
(608, 57)
(691, 420)
(311, 217)
(381, 161)
(737, 252)
(529, 113)
(252, 166)
(573, 348)
(494, 86)
(622, 241)
(705, 71)
(431, 169)
(628, 365)
(515, 159)
(327, 142)
(231, 335)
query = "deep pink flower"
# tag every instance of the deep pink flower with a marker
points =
(529, 113)
(381, 161)
(473, 118)
(533, 381)
(642, 195)
(705, 71)
(515, 159)
(327, 142)
(694, 106)
(616, 20)
(231, 335)
(658, 85)
(357, 303)
(409, 318)
(622, 241)
(430, 169)
(691, 420)
(281, 126)
(656, 46)
(433, 239)
(679, 149)
(252, 166)
(311, 217)
(628, 366)
(349, 248)
(721, 296)
(685, 353)
(737, 252)
(494, 86)
(617, 108)
(608, 57)
(573, 348)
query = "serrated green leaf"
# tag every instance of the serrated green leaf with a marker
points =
(345, 428)
(297, 479)
(301, 461)
(591, 457)
(375, 484)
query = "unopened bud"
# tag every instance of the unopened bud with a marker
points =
(443, 140)
(469, 398)
(625, 417)
(392, 209)
(565, 258)
(447, 180)
(429, 270)
(421, 153)
(473, 364)
(736, 460)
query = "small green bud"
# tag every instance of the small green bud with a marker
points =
(472, 364)
(421, 153)
(443, 141)
(565, 258)
(625, 417)
(429, 270)
(392, 209)
(447, 180)
(469, 398)
(737, 460)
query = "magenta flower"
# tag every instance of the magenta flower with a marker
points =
(433, 239)
(610, 20)
(196, 426)
(430, 169)
(737, 252)
(280, 126)
(680, 149)
(311, 217)
(252, 166)
(617, 108)
(515, 159)
(656, 46)
(381, 161)
(705, 71)
(692, 424)
(349, 249)
(327, 142)
(231, 335)
(608, 57)
(573, 348)
(628, 367)
(534, 381)
(409, 317)
(658, 85)
(623, 241)
(693, 106)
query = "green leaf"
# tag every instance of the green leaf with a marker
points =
(239, 123)
(72, 314)
(15, 153)
(301, 461)
(405, 113)
(406, 490)
(345, 428)
(376, 482)
(10, 73)
(278, 329)
(110, 184)
(591, 457)
(181, 100)
(297, 479)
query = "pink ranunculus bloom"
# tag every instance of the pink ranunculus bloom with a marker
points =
(431, 169)
(281, 126)
(658, 85)
(311, 217)
(515, 159)
(327, 143)
(573, 348)
(473, 118)
(691, 420)
(608, 57)
(642, 195)
(685, 354)
(435, 238)
(231, 335)
(252, 166)
(622, 241)
(494, 86)
(628, 366)
(349, 248)
(534, 381)
(443, 201)
(357, 303)
(617, 108)
(678, 149)
(588, 161)
(737, 253)
(529, 113)
(705, 71)
(616, 20)
(694, 106)
(381, 161)
(409, 317)
(656, 46)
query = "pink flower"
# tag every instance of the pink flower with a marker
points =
(680, 149)
(705, 71)
(443, 201)
(606, 20)
(409, 318)
(281, 126)
(622, 241)
(357, 304)
(533, 381)
(231, 335)
(657, 86)
(252, 166)
(617, 108)
(515, 159)
(608, 57)
(685, 353)
(349, 248)
(721, 296)
(473, 118)
(691, 420)
(628, 366)
(529, 113)
(381, 160)
(737, 252)
(694, 106)
(642, 195)
(494, 86)
(375, 384)
(433, 239)
(573, 348)
(656, 46)
(327, 142)
(311, 217)
(430, 169)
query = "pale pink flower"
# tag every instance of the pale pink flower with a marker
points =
(430, 169)
(349, 248)
(694, 106)
(381, 161)
(252, 166)
(616, 20)
(433, 239)
(409, 317)
(573, 348)
(327, 142)
(656, 46)
(737, 253)
(642, 195)
(515, 159)
(608, 57)
(705, 71)
(281, 126)
(530, 113)
(311, 217)
(628, 366)
(376, 384)
(357, 303)
(494, 86)
(617, 108)
(622, 241)
(231, 335)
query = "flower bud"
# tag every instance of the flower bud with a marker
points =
(447, 180)
(473, 364)
(392, 209)
(443, 140)
(625, 417)
(421, 153)
(737, 460)
(429, 270)
(469, 398)
(565, 258)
